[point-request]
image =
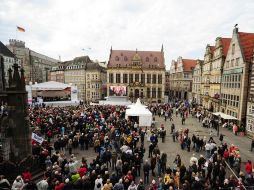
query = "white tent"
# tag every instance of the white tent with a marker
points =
(140, 111)
(51, 85)
(225, 116)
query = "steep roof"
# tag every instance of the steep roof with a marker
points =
(5, 51)
(212, 49)
(124, 58)
(84, 62)
(247, 44)
(225, 42)
(189, 64)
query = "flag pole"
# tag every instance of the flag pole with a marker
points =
(16, 33)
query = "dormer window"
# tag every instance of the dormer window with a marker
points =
(125, 58)
(117, 58)
(147, 59)
(155, 59)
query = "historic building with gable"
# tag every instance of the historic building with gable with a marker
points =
(235, 78)
(181, 72)
(196, 83)
(142, 73)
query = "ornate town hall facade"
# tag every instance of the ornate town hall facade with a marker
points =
(136, 74)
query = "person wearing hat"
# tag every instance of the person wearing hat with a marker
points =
(67, 184)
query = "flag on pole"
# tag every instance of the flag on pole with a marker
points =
(20, 29)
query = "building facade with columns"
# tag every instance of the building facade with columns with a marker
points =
(136, 74)
(250, 104)
(196, 84)
(181, 72)
(235, 76)
(88, 76)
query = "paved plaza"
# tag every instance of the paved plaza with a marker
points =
(173, 148)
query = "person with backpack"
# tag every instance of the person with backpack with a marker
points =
(98, 183)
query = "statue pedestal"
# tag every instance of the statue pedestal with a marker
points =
(5, 148)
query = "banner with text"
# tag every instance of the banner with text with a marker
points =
(37, 138)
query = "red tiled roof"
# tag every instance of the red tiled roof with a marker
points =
(247, 43)
(123, 58)
(225, 44)
(189, 64)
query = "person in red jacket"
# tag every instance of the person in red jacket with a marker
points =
(248, 167)
(59, 186)
(226, 154)
(82, 171)
(26, 175)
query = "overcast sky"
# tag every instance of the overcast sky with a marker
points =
(65, 27)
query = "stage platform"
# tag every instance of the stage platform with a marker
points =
(62, 103)
(116, 100)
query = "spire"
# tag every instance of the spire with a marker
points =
(235, 28)
(23, 83)
(162, 48)
(111, 49)
(16, 76)
(136, 50)
(10, 77)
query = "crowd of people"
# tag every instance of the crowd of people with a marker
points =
(120, 146)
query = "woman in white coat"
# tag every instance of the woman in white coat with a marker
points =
(98, 183)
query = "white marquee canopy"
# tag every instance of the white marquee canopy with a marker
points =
(51, 85)
(225, 116)
(139, 110)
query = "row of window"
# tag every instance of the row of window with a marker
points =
(9, 59)
(231, 81)
(151, 93)
(232, 100)
(93, 85)
(93, 95)
(232, 113)
(117, 58)
(250, 125)
(251, 109)
(149, 78)
(232, 63)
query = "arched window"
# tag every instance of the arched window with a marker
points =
(155, 59)
(147, 59)
(117, 58)
(125, 58)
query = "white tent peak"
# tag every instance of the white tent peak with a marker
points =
(140, 110)
(138, 103)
